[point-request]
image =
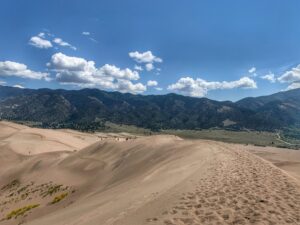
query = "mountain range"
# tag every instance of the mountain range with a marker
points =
(92, 108)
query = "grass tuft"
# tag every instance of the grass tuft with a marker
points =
(59, 198)
(21, 211)
(52, 190)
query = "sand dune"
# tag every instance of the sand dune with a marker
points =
(146, 180)
(26, 141)
(31, 141)
(286, 159)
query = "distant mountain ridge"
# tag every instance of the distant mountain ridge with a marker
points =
(69, 108)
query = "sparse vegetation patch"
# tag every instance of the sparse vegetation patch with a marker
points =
(52, 190)
(18, 193)
(12, 184)
(21, 211)
(59, 198)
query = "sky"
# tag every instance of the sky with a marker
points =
(223, 50)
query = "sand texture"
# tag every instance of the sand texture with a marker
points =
(69, 178)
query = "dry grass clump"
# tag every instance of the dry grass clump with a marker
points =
(21, 211)
(59, 198)
(52, 190)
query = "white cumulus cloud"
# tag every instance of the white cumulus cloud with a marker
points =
(291, 76)
(294, 85)
(152, 83)
(61, 61)
(252, 70)
(199, 87)
(83, 73)
(62, 43)
(269, 77)
(9, 68)
(113, 71)
(86, 33)
(139, 68)
(42, 35)
(144, 57)
(149, 66)
(127, 86)
(40, 42)
(18, 86)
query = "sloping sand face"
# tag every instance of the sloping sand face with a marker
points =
(30, 141)
(147, 180)
(288, 160)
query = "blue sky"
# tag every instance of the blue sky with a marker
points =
(224, 50)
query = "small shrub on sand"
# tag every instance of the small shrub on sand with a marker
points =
(21, 211)
(59, 198)
(52, 190)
